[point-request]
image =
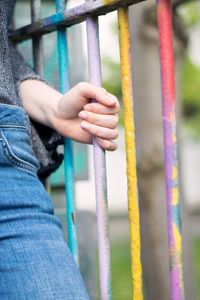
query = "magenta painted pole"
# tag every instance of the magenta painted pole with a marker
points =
(170, 145)
(99, 169)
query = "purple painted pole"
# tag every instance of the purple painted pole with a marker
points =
(99, 169)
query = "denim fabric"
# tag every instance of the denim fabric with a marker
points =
(13, 70)
(35, 262)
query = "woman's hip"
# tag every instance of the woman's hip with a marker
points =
(15, 145)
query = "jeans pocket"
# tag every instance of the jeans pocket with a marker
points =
(17, 147)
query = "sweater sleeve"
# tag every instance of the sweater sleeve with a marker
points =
(21, 69)
(44, 139)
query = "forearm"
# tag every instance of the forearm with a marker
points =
(38, 97)
(39, 100)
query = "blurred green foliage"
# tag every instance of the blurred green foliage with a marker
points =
(121, 270)
(112, 81)
(190, 95)
(190, 13)
(190, 74)
(112, 77)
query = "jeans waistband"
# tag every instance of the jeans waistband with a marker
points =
(13, 115)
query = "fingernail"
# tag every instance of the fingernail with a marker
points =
(85, 125)
(107, 144)
(112, 98)
(83, 114)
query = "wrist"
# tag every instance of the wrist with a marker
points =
(40, 101)
(49, 110)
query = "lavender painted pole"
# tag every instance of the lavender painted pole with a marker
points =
(68, 146)
(99, 169)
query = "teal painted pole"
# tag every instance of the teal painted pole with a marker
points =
(68, 146)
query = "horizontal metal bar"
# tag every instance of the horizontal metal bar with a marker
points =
(69, 17)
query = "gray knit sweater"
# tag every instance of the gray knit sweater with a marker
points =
(14, 69)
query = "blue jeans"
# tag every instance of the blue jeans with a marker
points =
(35, 262)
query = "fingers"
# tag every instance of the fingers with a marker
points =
(99, 118)
(98, 131)
(102, 109)
(107, 145)
(89, 91)
(109, 121)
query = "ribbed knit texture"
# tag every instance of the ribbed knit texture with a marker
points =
(14, 69)
(7, 87)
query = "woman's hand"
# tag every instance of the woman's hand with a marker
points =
(72, 115)
(79, 119)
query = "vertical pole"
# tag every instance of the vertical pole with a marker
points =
(133, 205)
(68, 146)
(170, 142)
(99, 168)
(37, 40)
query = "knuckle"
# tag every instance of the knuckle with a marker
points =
(100, 92)
(117, 108)
(116, 99)
(95, 130)
(115, 134)
(89, 107)
(116, 120)
(91, 118)
(113, 123)
(101, 89)
(82, 85)
(106, 144)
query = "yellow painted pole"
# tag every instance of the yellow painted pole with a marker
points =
(133, 205)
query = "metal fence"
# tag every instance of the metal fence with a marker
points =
(89, 12)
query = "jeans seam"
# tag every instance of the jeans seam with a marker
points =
(26, 116)
(13, 126)
(14, 159)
